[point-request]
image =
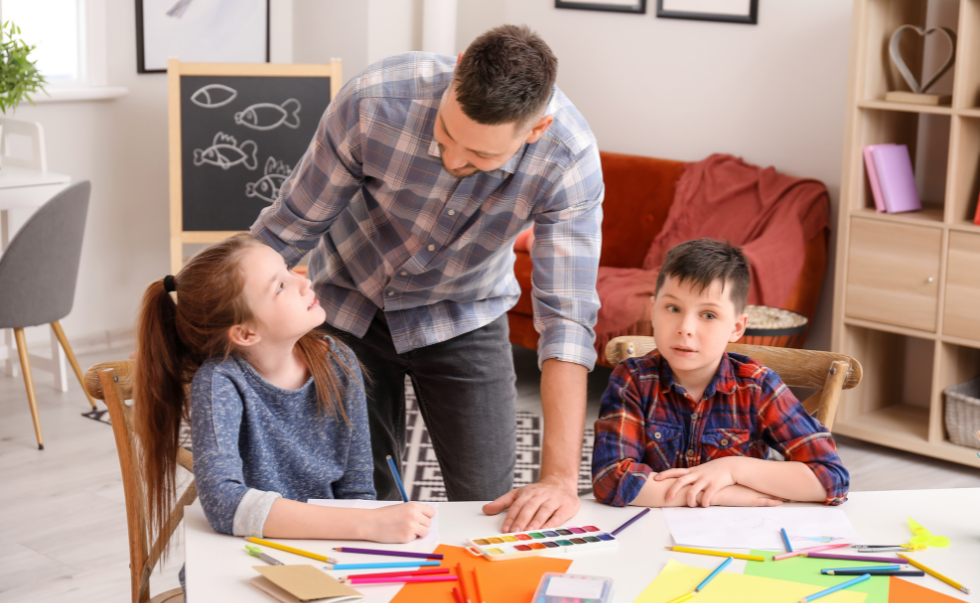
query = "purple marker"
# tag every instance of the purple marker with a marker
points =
(387, 553)
(627, 524)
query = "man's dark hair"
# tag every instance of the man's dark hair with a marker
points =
(505, 76)
(704, 261)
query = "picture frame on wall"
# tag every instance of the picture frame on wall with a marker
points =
(200, 31)
(620, 6)
(729, 11)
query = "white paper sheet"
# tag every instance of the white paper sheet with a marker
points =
(349, 503)
(758, 527)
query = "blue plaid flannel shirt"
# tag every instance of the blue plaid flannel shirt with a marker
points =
(389, 228)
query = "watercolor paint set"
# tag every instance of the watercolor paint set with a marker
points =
(529, 544)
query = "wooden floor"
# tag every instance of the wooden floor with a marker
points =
(62, 512)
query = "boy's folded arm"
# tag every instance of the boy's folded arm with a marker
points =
(791, 480)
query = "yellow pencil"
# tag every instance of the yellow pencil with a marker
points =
(682, 598)
(935, 574)
(295, 551)
(684, 549)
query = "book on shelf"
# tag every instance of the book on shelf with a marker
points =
(869, 166)
(896, 179)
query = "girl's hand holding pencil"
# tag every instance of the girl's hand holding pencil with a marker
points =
(398, 524)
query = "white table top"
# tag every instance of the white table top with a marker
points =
(12, 176)
(219, 570)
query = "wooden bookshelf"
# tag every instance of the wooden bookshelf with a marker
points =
(907, 286)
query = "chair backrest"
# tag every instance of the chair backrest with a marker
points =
(39, 270)
(829, 372)
(112, 382)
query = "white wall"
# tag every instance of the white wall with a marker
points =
(772, 93)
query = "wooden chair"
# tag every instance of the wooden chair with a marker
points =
(830, 372)
(112, 382)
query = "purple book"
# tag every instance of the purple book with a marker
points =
(869, 165)
(896, 179)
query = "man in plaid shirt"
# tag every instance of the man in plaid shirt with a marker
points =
(691, 424)
(422, 173)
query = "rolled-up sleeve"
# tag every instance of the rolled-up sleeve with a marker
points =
(618, 473)
(799, 437)
(565, 255)
(322, 184)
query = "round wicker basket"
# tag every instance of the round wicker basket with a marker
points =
(774, 327)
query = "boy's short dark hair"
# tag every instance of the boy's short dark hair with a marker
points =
(704, 261)
(505, 76)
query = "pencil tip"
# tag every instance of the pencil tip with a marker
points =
(965, 589)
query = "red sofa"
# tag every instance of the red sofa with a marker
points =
(639, 192)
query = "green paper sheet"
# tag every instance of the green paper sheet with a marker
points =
(677, 579)
(807, 571)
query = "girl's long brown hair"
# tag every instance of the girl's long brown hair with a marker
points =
(174, 339)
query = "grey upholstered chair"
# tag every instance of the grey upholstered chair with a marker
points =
(38, 271)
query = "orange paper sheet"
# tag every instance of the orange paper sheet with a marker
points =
(513, 580)
(903, 591)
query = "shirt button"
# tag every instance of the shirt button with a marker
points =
(656, 436)
(390, 293)
(724, 442)
(690, 452)
(404, 273)
(432, 247)
(452, 212)
(694, 416)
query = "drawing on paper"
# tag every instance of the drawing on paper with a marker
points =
(177, 10)
(816, 540)
(225, 152)
(213, 96)
(267, 187)
(268, 116)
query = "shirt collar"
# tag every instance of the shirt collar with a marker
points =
(722, 383)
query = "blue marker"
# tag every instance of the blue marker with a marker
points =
(789, 547)
(398, 479)
(353, 566)
(834, 589)
(704, 583)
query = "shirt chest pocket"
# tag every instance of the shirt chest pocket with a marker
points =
(663, 443)
(726, 442)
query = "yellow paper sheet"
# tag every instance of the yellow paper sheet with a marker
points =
(677, 579)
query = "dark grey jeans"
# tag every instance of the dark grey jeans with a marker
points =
(466, 392)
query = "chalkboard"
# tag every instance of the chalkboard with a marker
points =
(236, 133)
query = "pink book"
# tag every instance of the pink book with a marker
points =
(896, 178)
(869, 164)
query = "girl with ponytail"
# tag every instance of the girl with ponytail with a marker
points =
(277, 410)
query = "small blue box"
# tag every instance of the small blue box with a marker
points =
(556, 588)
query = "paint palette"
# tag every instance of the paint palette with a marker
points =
(540, 542)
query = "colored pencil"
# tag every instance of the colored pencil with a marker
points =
(867, 570)
(398, 479)
(682, 598)
(789, 547)
(401, 579)
(289, 549)
(456, 595)
(476, 587)
(875, 568)
(424, 572)
(462, 584)
(854, 558)
(935, 574)
(704, 582)
(351, 566)
(387, 553)
(834, 589)
(684, 549)
(627, 524)
(803, 553)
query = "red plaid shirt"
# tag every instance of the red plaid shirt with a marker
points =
(648, 424)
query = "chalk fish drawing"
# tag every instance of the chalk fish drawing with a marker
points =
(267, 116)
(213, 96)
(267, 187)
(225, 152)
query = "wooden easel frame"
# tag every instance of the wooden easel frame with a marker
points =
(175, 69)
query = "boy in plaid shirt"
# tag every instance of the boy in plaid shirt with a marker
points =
(690, 424)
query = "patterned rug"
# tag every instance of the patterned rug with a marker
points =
(423, 477)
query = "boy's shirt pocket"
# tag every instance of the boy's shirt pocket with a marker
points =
(726, 441)
(664, 441)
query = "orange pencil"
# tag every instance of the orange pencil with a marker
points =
(476, 585)
(456, 595)
(462, 583)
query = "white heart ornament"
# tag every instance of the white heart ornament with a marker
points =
(904, 69)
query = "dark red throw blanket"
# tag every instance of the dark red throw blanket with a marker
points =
(771, 215)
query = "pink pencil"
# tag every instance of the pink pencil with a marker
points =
(354, 580)
(815, 549)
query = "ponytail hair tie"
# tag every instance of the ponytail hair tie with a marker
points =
(168, 283)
